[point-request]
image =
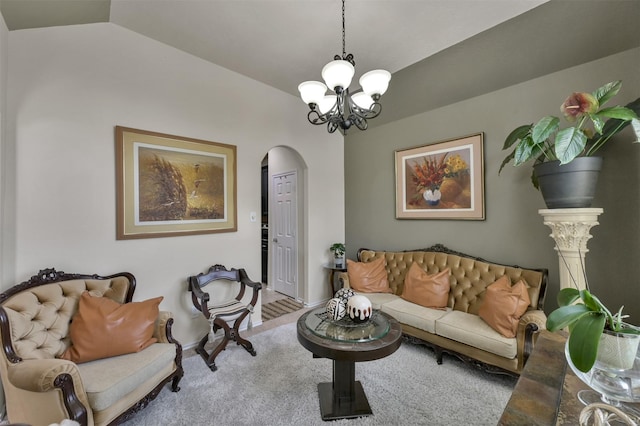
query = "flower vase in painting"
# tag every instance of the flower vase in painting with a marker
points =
(439, 181)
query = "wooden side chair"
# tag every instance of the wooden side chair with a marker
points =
(222, 314)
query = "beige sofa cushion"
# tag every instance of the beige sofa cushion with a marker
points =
(378, 299)
(414, 315)
(473, 331)
(108, 380)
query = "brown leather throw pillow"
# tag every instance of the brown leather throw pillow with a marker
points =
(504, 304)
(430, 291)
(368, 277)
(103, 328)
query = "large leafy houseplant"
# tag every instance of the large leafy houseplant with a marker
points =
(586, 321)
(592, 126)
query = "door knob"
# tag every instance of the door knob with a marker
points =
(275, 240)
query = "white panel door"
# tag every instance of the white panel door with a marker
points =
(284, 245)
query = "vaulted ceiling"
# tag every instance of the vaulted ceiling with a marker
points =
(440, 51)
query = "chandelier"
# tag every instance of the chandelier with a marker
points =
(342, 110)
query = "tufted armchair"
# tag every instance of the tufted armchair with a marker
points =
(40, 388)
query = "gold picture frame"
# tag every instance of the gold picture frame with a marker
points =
(170, 185)
(443, 180)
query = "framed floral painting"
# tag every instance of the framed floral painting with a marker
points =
(443, 180)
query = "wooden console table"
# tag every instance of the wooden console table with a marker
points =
(546, 392)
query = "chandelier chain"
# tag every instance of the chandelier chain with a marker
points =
(344, 50)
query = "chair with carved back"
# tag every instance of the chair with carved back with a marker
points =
(221, 309)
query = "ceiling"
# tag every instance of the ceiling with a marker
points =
(284, 42)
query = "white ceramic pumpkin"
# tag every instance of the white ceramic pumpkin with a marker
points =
(359, 308)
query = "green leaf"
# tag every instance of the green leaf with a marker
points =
(519, 133)
(567, 296)
(506, 161)
(570, 143)
(607, 91)
(593, 302)
(524, 151)
(584, 340)
(612, 127)
(565, 316)
(621, 113)
(598, 122)
(544, 128)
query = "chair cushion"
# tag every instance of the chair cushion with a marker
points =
(102, 328)
(430, 291)
(504, 304)
(471, 330)
(368, 277)
(109, 380)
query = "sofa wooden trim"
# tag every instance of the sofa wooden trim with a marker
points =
(72, 390)
(528, 329)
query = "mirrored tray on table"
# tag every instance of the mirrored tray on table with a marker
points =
(346, 329)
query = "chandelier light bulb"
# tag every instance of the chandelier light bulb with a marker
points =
(327, 103)
(375, 82)
(312, 92)
(362, 100)
(338, 73)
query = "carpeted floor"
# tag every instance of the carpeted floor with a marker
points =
(279, 387)
(278, 308)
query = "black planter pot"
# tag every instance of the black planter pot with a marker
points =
(570, 185)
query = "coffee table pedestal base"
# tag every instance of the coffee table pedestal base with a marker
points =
(335, 408)
(345, 397)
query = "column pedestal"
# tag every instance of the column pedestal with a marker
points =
(570, 230)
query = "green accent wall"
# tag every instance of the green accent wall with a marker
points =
(513, 231)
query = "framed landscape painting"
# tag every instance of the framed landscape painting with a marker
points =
(444, 180)
(170, 185)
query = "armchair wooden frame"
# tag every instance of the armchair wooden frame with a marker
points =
(221, 314)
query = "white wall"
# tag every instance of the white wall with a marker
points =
(69, 87)
(6, 190)
(4, 36)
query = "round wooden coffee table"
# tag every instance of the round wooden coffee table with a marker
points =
(347, 343)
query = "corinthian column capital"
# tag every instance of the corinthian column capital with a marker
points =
(570, 229)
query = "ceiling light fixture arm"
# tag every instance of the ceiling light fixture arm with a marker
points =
(344, 113)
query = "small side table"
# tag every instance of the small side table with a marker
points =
(332, 271)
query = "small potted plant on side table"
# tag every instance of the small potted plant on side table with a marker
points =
(338, 250)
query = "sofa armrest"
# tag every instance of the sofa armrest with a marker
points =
(533, 317)
(343, 279)
(53, 375)
(529, 327)
(163, 326)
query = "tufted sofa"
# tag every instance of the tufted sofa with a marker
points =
(40, 388)
(458, 330)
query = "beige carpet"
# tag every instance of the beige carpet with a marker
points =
(278, 308)
(279, 387)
